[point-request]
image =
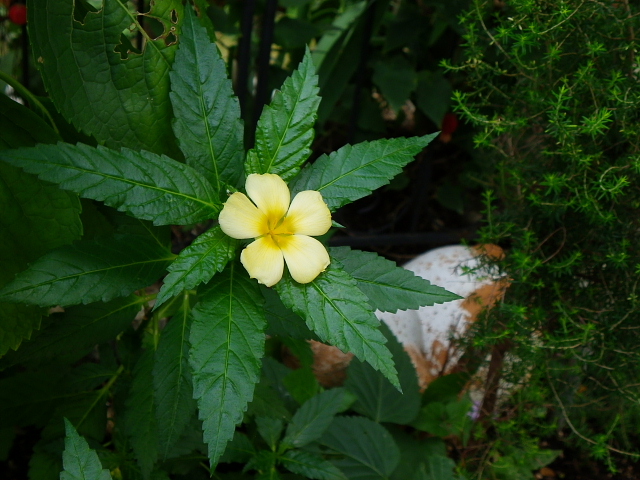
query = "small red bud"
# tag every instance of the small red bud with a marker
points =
(18, 14)
(449, 125)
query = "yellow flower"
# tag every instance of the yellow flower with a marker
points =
(281, 231)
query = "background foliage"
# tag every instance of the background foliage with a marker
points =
(552, 88)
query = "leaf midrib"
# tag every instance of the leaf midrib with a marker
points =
(78, 275)
(289, 119)
(346, 319)
(123, 180)
(377, 159)
(175, 404)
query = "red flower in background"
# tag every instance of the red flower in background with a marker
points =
(18, 14)
(449, 125)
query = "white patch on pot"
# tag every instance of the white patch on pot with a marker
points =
(429, 334)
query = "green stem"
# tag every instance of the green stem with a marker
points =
(28, 96)
(102, 393)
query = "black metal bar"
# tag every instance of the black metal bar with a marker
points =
(244, 56)
(430, 238)
(421, 191)
(361, 76)
(25, 57)
(264, 61)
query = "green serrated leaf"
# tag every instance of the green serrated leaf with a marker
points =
(207, 114)
(281, 320)
(390, 288)
(285, 130)
(89, 271)
(353, 172)
(313, 418)
(310, 466)
(80, 462)
(197, 263)
(338, 312)
(227, 343)
(173, 388)
(302, 383)
(377, 399)
(72, 333)
(436, 467)
(140, 417)
(146, 185)
(370, 452)
(122, 102)
(35, 218)
(270, 428)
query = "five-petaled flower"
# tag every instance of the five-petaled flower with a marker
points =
(281, 231)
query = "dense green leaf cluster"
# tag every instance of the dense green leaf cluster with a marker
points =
(553, 92)
(174, 370)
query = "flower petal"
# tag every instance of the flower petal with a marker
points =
(306, 257)
(240, 218)
(270, 194)
(263, 260)
(308, 215)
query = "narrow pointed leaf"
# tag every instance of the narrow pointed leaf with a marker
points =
(80, 462)
(313, 418)
(377, 399)
(370, 453)
(172, 383)
(197, 263)
(338, 312)
(89, 271)
(390, 288)
(20, 127)
(227, 343)
(122, 102)
(139, 416)
(310, 466)
(35, 217)
(143, 184)
(285, 129)
(353, 172)
(207, 113)
(72, 333)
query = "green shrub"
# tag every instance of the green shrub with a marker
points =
(553, 91)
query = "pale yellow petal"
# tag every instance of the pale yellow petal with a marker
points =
(306, 257)
(263, 260)
(308, 215)
(240, 218)
(270, 193)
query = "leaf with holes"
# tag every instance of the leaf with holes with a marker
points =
(207, 114)
(353, 172)
(143, 184)
(197, 263)
(338, 312)
(95, 77)
(390, 288)
(227, 344)
(285, 129)
(89, 271)
(80, 462)
(172, 384)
